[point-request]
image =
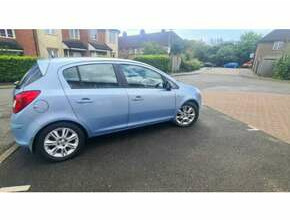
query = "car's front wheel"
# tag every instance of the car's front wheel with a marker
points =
(60, 141)
(186, 115)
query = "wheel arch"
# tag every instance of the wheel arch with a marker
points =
(32, 147)
(191, 100)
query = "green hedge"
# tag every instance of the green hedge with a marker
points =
(161, 62)
(12, 68)
(190, 65)
(282, 68)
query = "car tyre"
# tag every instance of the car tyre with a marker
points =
(187, 115)
(60, 141)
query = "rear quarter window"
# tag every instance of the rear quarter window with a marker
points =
(31, 76)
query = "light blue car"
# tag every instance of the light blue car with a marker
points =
(61, 102)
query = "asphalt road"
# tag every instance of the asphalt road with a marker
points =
(216, 154)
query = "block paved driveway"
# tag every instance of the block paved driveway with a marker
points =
(218, 153)
(261, 103)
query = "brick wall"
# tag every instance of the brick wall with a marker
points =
(65, 34)
(26, 39)
(101, 36)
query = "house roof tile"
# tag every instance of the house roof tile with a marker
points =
(77, 44)
(137, 41)
(277, 35)
(100, 46)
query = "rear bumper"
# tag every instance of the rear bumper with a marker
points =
(20, 137)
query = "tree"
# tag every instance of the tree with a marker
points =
(196, 49)
(153, 48)
(226, 53)
(177, 47)
(247, 45)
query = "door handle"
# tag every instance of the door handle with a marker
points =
(138, 98)
(84, 100)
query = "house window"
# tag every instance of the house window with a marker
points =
(8, 33)
(52, 52)
(74, 34)
(278, 45)
(94, 35)
(50, 31)
(112, 37)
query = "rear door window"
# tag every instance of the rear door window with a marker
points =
(91, 76)
(31, 76)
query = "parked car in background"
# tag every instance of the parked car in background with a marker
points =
(61, 102)
(209, 64)
(231, 65)
(248, 64)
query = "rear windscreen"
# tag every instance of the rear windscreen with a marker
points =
(31, 76)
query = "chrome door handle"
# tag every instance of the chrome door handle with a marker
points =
(138, 98)
(84, 100)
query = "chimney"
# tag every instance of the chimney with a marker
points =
(124, 34)
(142, 32)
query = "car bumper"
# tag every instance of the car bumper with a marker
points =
(20, 136)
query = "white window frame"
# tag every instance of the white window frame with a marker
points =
(278, 45)
(6, 33)
(74, 34)
(94, 37)
(50, 31)
(54, 53)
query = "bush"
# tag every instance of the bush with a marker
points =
(282, 68)
(190, 65)
(161, 62)
(12, 68)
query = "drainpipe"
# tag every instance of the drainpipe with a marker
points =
(36, 41)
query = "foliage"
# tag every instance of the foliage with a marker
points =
(177, 47)
(190, 65)
(222, 52)
(282, 68)
(161, 62)
(153, 48)
(247, 45)
(226, 53)
(195, 49)
(12, 68)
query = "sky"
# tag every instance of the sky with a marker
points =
(205, 34)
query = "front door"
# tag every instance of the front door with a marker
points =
(149, 101)
(96, 97)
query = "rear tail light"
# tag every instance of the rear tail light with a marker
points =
(23, 99)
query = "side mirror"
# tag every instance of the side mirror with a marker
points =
(167, 86)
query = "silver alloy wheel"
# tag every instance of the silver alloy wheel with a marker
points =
(185, 115)
(61, 142)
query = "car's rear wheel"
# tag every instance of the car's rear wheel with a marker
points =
(60, 141)
(186, 115)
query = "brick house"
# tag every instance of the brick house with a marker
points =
(47, 43)
(269, 49)
(130, 46)
(75, 42)
(21, 41)
(93, 42)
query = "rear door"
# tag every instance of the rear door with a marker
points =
(149, 101)
(96, 96)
